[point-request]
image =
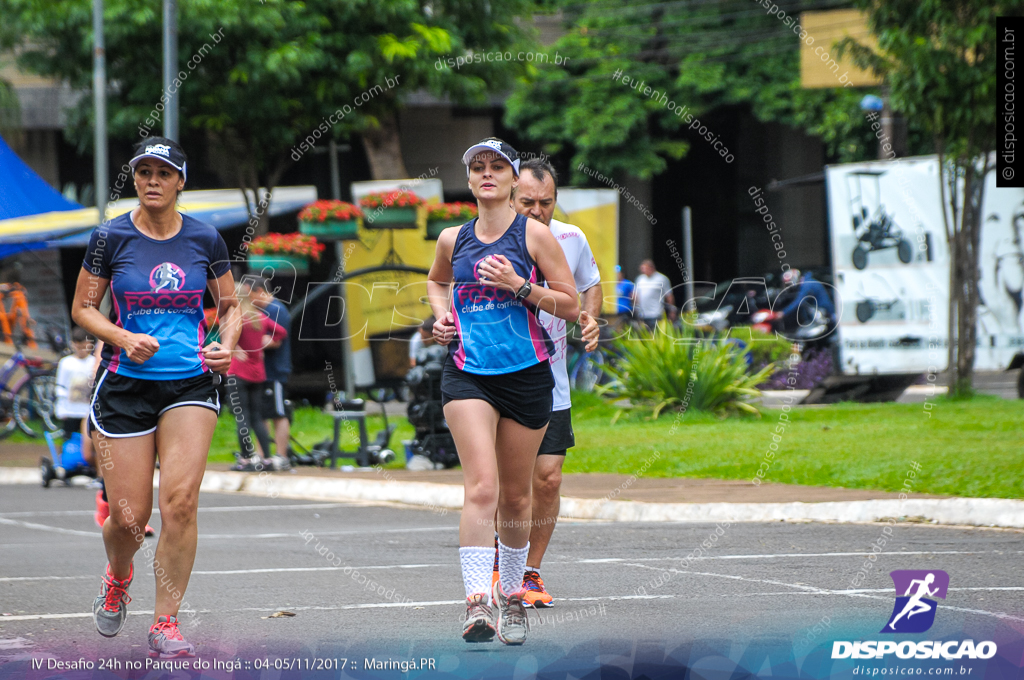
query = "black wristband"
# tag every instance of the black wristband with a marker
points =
(520, 294)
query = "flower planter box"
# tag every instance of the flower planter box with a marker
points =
(391, 218)
(276, 261)
(331, 229)
(435, 227)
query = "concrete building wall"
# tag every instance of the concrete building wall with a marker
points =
(434, 137)
(635, 231)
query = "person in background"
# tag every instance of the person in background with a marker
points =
(810, 287)
(277, 361)
(653, 292)
(624, 290)
(423, 337)
(536, 197)
(245, 384)
(74, 379)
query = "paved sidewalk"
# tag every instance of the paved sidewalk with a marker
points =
(626, 487)
(607, 497)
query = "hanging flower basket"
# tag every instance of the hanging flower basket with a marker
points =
(440, 216)
(331, 220)
(391, 209)
(278, 251)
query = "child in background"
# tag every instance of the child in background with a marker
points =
(74, 381)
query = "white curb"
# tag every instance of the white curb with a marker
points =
(993, 512)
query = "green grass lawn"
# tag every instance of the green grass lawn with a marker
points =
(966, 448)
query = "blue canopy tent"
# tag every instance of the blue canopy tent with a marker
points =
(24, 194)
(34, 216)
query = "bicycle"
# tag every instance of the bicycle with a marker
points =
(29, 397)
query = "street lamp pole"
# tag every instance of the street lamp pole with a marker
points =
(99, 94)
(170, 68)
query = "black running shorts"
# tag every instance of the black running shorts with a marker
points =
(524, 395)
(559, 436)
(130, 407)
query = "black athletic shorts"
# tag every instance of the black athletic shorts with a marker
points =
(559, 436)
(130, 407)
(71, 425)
(273, 400)
(524, 395)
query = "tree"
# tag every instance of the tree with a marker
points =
(938, 59)
(10, 110)
(259, 80)
(700, 56)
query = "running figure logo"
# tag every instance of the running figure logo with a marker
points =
(167, 276)
(913, 611)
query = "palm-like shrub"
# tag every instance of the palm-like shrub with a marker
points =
(677, 368)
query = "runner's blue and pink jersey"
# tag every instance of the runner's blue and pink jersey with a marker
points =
(157, 289)
(495, 332)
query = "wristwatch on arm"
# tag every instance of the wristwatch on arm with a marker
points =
(524, 291)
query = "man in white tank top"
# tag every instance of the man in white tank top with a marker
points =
(535, 197)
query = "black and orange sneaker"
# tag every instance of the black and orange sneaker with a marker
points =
(110, 610)
(536, 596)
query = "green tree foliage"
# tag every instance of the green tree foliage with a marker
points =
(262, 77)
(938, 58)
(10, 110)
(701, 55)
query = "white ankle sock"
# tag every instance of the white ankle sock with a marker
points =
(529, 568)
(477, 564)
(511, 566)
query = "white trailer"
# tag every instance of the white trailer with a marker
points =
(891, 270)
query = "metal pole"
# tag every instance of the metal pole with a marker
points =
(335, 173)
(99, 95)
(171, 68)
(688, 259)
(887, 127)
(346, 343)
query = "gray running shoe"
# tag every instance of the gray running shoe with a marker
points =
(165, 641)
(110, 610)
(479, 626)
(512, 621)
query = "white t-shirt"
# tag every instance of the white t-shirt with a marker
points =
(415, 344)
(584, 271)
(72, 388)
(650, 294)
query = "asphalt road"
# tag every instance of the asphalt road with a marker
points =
(619, 586)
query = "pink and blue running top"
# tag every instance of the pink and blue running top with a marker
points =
(157, 289)
(495, 332)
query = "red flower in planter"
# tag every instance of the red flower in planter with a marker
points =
(391, 199)
(449, 212)
(333, 211)
(287, 244)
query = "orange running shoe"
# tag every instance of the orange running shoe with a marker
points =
(536, 596)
